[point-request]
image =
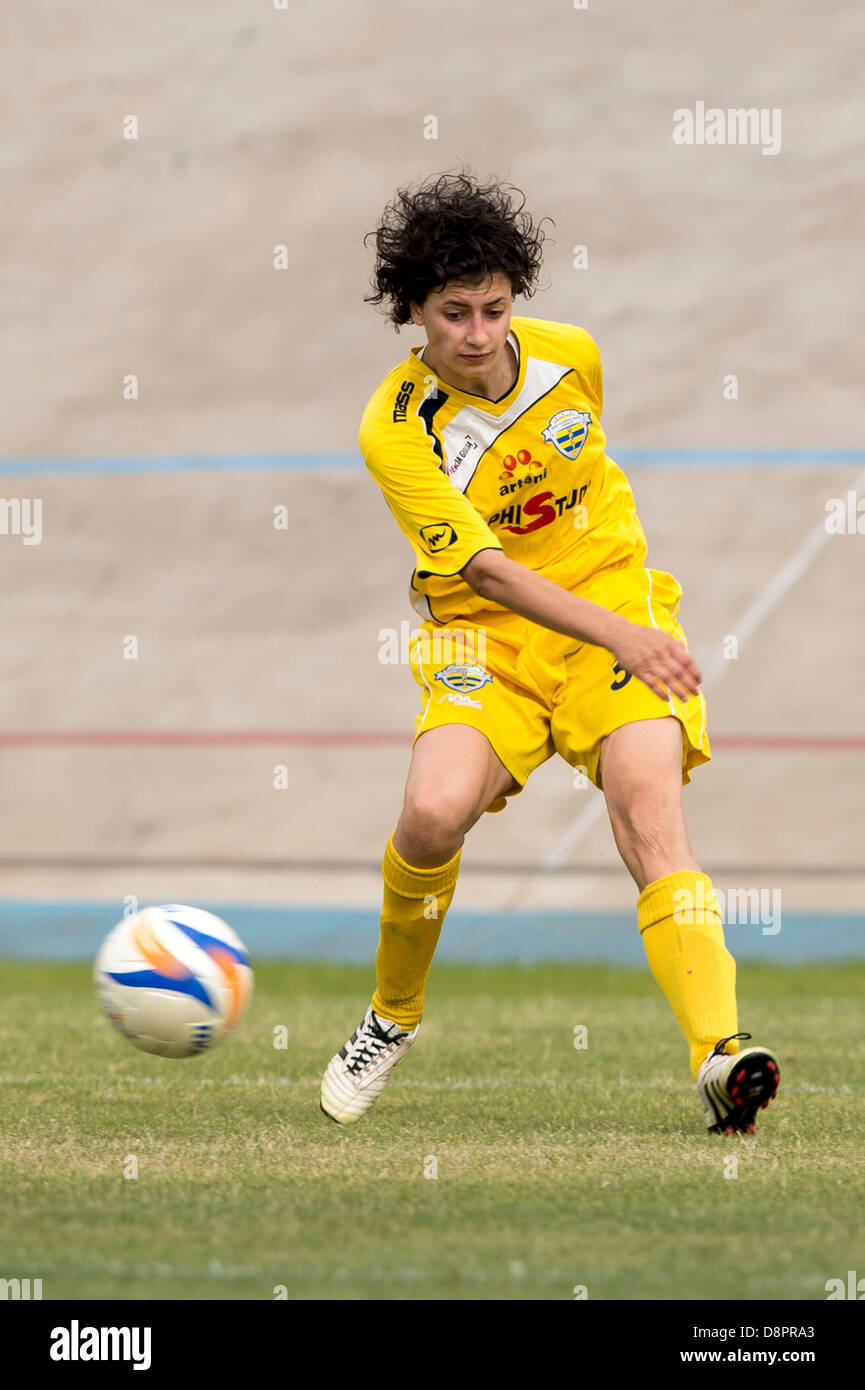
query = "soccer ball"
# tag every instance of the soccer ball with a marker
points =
(173, 980)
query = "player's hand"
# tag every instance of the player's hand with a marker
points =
(659, 660)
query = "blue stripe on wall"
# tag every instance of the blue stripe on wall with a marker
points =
(66, 930)
(628, 458)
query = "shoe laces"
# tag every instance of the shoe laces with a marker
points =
(372, 1041)
(734, 1037)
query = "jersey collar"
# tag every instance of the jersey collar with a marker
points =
(499, 406)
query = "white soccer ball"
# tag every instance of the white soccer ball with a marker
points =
(173, 980)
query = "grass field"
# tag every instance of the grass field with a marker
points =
(557, 1167)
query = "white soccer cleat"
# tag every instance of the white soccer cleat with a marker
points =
(733, 1086)
(356, 1076)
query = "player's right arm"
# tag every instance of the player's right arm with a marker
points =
(444, 529)
(450, 537)
(653, 656)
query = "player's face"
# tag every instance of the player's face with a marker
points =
(467, 330)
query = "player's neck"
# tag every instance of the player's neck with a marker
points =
(501, 378)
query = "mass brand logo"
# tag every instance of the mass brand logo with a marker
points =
(400, 405)
(438, 536)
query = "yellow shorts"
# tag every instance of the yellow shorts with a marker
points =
(534, 692)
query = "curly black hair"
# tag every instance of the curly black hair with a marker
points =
(452, 228)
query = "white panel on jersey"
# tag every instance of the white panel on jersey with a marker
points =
(420, 604)
(472, 431)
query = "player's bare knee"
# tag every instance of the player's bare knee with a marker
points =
(646, 825)
(436, 819)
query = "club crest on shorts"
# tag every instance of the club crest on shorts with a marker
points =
(461, 676)
(567, 431)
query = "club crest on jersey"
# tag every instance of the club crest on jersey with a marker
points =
(461, 676)
(567, 431)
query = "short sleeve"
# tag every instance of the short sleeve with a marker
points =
(597, 378)
(443, 528)
(589, 359)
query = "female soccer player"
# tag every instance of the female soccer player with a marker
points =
(543, 631)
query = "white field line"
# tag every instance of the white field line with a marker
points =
(291, 1273)
(575, 1083)
(755, 615)
(468, 1083)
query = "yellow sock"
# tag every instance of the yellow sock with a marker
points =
(413, 910)
(683, 935)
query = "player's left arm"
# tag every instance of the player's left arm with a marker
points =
(648, 653)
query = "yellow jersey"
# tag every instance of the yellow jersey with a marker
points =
(527, 474)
